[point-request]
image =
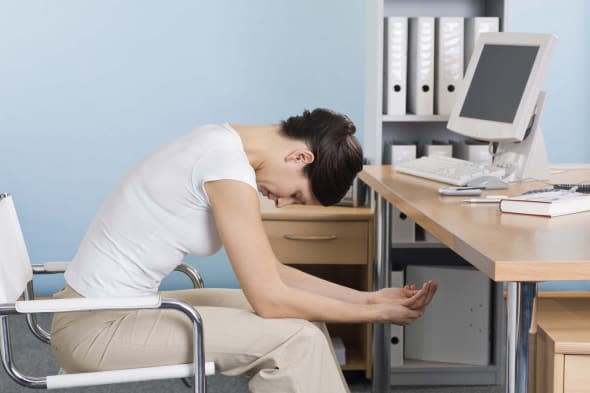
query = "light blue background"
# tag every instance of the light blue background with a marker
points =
(87, 88)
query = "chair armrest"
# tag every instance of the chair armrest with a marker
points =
(50, 267)
(60, 267)
(85, 304)
(192, 274)
(124, 376)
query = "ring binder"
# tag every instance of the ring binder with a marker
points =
(421, 66)
(396, 63)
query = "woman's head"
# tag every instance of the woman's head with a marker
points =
(338, 156)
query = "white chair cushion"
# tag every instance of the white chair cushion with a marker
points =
(15, 266)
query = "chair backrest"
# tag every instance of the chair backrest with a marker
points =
(15, 266)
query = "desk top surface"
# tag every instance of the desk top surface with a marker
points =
(506, 247)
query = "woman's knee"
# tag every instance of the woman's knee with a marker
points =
(313, 335)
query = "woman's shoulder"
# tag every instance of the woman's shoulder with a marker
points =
(211, 133)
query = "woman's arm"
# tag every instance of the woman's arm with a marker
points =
(408, 296)
(236, 209)
(307, 282)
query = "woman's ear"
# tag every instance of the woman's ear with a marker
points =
(300, 156)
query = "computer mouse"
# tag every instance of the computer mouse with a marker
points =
(488, 183)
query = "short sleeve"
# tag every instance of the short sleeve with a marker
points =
(226, 163)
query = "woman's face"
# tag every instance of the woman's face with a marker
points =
(286, 183)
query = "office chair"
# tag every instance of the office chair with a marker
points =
(15, 274)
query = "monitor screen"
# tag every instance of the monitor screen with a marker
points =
(498, 83)
(499, 93)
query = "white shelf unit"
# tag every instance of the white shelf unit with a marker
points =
(414, 118)
(381, 130)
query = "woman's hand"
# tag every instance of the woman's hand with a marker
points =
(408, 296)
(395, 313)
(402, 306)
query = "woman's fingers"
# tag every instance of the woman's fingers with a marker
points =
(432, 292)
(419, 299)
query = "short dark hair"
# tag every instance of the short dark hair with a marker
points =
(338, 154)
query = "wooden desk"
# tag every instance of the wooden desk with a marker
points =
(336, 244)
(520, 250)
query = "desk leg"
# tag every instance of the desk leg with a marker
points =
(382, 272)
(521, 296)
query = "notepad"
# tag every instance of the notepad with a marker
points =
(549, 204)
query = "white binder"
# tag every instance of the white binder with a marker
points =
(449, 62)
(473, 28)
(396, 65)
(438, 149)
(402, 152)
(472, 151)
(403, 230)
(421, 66)
(396, 355)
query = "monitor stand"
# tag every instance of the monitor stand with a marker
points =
(526, 160)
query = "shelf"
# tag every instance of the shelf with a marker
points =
(354, 360)
(414, 118)
(432, 373)
(419, 244)
(383, 130)
(413, 363)
(413, 254)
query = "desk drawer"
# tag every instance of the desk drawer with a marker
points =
(319, 242)
(576, 378)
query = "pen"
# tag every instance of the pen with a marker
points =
(486, 199)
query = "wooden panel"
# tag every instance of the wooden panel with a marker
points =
(576, 375)
(319, 242)
(549, 367)
(562, 343)
(567, 322)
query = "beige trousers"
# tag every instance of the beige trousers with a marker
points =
(277, 355)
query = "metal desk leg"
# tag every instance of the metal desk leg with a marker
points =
(520, 309)
(382, 271)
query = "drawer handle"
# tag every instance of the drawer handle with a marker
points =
(290, 236)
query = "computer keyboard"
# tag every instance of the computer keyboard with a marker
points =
(447, 170)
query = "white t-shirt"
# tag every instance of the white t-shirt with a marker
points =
(159, 213)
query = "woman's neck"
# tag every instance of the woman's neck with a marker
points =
(261, 142)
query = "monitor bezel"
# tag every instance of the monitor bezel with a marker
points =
(493, 131)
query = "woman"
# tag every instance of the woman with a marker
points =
(192, 196)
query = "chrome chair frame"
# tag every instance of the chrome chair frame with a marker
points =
(198, 367)
(60, 267)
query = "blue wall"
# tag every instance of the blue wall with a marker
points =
(566, 118)
(88, 88)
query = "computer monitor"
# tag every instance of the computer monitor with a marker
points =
(500, 100)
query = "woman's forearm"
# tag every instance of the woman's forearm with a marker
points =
(297, 279)
(292, 302)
